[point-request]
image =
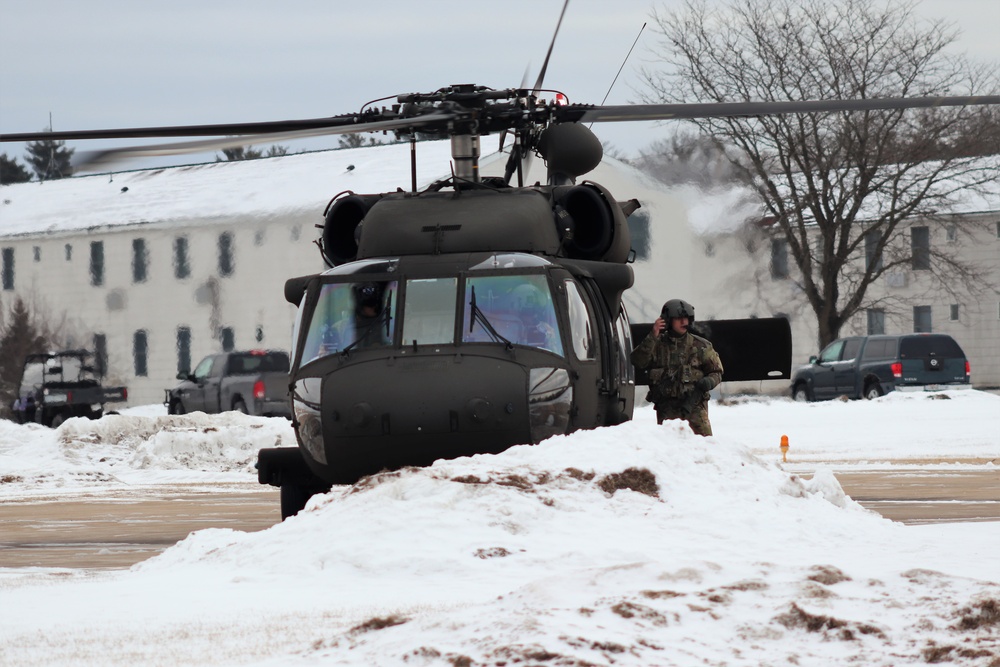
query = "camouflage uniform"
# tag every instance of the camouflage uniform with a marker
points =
(675, 363)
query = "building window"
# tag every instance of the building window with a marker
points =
(709, 249)
(259, 334)
(69, 252)
(228, 339)
(7, 270)
(922, 319)
(920, 248)
(182, 268)
(140, 353)
(97, 263)
(954, 312)
(140, 260)
(998, 229)
(297, 232)
(258, 237)
(952, 233)
(37, 252)
(876, 321)
(779, 258)
(183, 350)
(101, 354)
(638, 227)
(872, 256)
(225, 254)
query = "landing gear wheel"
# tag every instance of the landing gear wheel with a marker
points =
(873, 391)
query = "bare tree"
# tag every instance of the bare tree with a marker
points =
(836, 181)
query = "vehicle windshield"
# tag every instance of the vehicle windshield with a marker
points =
(518, 308)
(351, 316)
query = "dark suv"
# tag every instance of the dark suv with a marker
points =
(870, 366)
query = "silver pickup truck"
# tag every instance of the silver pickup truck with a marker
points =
(254, 382)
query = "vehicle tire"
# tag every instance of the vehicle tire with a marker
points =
(58, 419)
(873, 390)
(240, 406)
(801, 393)
(175, 408)
(293, 498)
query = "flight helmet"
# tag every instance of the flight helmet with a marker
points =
(677, 308)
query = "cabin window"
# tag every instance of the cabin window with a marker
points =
(140, 352)
(97, 263)
(8, 268)
(140, 260)
(352, 316)
(514, 308)
(580, 327)
(182, 266)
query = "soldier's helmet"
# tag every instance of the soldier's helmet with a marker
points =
(367, 295)
(677, 308)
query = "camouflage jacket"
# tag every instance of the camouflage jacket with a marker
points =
(676, 363)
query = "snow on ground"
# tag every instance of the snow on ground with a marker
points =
(632, 545)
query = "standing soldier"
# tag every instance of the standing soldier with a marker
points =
(683, 367)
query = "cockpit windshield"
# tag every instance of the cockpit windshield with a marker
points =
(518, 308)
(351, 316)
(512, 309)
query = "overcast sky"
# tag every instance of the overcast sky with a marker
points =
(120, 63)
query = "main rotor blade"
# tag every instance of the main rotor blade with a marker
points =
(344, 124)
(545, 63)
(638, 112)
(93, 160)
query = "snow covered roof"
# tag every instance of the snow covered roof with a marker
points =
(270, 187)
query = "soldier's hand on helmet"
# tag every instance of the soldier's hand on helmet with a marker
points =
(658, 326)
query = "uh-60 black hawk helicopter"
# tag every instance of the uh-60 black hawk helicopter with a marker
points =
(480, 312)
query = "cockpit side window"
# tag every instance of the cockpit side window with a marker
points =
(351, 316)
(519, 308)
(581, 329)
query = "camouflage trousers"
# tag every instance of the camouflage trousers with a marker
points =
(697, 419)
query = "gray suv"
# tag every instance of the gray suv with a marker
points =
(870, 366)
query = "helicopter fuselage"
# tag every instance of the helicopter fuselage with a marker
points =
(464, 353)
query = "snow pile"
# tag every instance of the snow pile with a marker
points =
(631, 545)
(118, 450)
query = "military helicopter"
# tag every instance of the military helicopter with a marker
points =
(479, 312)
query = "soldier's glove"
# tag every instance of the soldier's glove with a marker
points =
(703, 385)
